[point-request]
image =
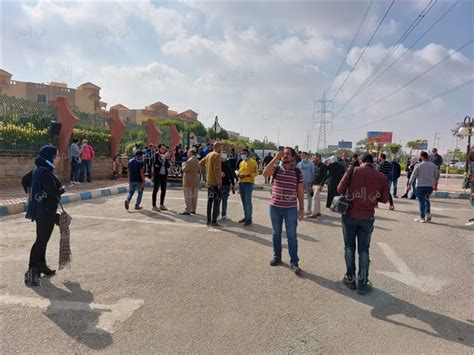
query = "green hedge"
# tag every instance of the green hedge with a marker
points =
(100, 141)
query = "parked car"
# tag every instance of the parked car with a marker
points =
(461, 165)
(453, 162)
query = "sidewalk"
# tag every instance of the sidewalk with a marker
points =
(13, 200)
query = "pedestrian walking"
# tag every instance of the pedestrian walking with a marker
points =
(75, 156)
(248, 171)
(161, 166)
(437, 160)
(426, 176)
(365, 187)
(191, 183)
(136, 179)
(266, 161)
(320, 176)
(307, 169)
(396, 173)
(335, 173)
(228, 182)
(385, 167)
(87, 155)
(212, 164)
(44, 193)
(287, 194)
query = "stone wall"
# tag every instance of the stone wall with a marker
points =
(13, 168)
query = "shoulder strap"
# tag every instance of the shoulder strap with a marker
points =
(351, 173)
(298, 174)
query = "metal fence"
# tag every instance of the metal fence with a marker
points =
(24, 125)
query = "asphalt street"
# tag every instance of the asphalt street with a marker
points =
(145, 282)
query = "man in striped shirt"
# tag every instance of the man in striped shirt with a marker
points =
(385, 167)
(287, 194)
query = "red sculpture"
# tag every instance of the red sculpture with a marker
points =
(153, 133)
(117, 129)
(68, 121)
(175, 138)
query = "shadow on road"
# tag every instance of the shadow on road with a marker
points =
(385, 305)
(78, 324)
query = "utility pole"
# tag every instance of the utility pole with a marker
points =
(324, 113)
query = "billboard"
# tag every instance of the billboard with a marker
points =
(344, 145)
(422, 145)
(332, 148)
(381, 137)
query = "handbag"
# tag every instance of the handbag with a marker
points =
(342, 203)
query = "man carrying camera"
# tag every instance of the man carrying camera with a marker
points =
(364, 186)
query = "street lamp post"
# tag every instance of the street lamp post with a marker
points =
(265, 141)
(468, 124)
(216, 123)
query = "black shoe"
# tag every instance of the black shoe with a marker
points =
(185, 214)
(193, 212)
(243, 220)
(275, 261)
(215, 224)
(404, 196)
(349, 281)
(127, 204)
(43, 268)
(363, 286)
(296, 269)
(138, 208)
(32, 278)
(247, 223)
(208, 223)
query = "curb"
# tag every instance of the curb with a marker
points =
(20, 207)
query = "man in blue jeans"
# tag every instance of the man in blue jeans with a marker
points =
(426, 176)
(248, 171)
(365, 187)
(136, 178)
(287, 193)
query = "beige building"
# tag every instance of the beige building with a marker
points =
(157, 109)
(85, 98)
(237, 136)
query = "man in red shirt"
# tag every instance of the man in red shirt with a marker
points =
(87, 154)
(366, 187)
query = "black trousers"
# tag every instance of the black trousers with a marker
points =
(214, 196)
(44, 229)
(159, 181)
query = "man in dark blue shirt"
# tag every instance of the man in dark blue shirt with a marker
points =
(136, 178)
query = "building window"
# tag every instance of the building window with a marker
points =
(41, 98)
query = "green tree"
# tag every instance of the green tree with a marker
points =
(197, 128)
(394, 148)
(221, 135)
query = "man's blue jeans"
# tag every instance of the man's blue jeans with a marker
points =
(357, 231)
(423, 195)
(394, 182)
(225, 198)
(290, 216)
(246, 189)
(308, 187)
(86, 170)
(135, 186)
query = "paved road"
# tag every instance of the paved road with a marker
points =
(144, 282)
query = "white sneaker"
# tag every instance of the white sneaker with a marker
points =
(421, 220)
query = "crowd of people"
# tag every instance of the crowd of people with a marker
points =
(362, 180)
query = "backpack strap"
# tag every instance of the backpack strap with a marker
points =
(297, 171)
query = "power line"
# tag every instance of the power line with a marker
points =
(351, 45)
(415, 78)
(422, 103)
(404, 36)
(417, 40)
(365, 48)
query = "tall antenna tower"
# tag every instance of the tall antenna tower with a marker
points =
(322, 110)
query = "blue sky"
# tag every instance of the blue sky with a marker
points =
(257, 65)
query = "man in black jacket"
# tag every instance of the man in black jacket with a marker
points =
(396, 172)
(385, 167)
(161, 165)
(320, 176)
(228, 182)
